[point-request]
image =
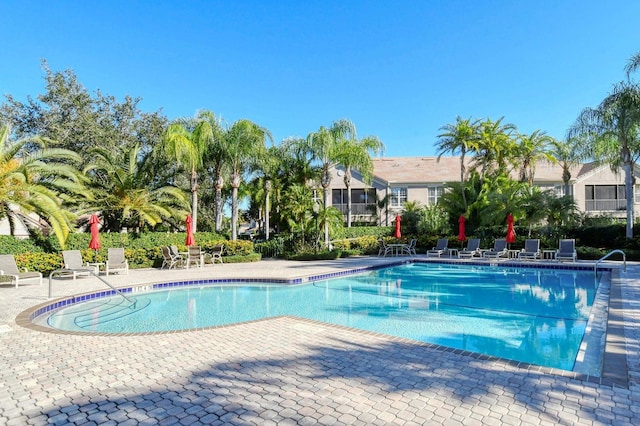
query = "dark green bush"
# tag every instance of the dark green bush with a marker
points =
(12, 245)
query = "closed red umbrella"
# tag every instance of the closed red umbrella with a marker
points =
(511, 234)
(397, 233)
(94, 221)
(190, 240)
(461, 236)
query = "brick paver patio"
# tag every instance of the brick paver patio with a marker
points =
(285, 370)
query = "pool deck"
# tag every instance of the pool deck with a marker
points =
(293, 371)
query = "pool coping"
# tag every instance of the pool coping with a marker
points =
(614, 369)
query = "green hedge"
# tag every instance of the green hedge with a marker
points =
(142, 251)
(363, 231)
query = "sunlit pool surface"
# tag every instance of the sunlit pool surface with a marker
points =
(530, 315)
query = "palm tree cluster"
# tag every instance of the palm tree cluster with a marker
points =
(497, 167)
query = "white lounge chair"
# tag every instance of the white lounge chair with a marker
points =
(440, 248)
(116, 261)
(531, 250)
(8, 267)
(499, 249)
(472, 249)
(567, 250)
(73, 261)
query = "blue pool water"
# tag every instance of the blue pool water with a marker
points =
(530, 315)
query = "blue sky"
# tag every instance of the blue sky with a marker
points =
(399, 70)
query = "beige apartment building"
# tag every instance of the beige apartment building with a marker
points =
(596, 189)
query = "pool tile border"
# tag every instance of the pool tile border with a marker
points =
(616, 376)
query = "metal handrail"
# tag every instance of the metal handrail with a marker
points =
(92, 272)
(624, 258)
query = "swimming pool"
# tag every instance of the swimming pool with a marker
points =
(530, 315)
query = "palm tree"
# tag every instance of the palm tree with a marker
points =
(494, 147)
(215, 160)
(123, 192)
(34, 179)
(500, 197)
(299, 205)
(531, 149)
(245, 143)
(459, 137)
(188, 149)
(356, 154)
(612, 131)
(325, 147)
(568, 155)
(633, 64)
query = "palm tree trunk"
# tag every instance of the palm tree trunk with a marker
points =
(462, 173)
(266, 209)
(628, 189)
(218, 201)
(566, 177)
(325, 182)
(347, 182)
(325, 191)
(235, 183)
(194, 199)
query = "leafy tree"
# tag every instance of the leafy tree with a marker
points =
(612, 133)
(411, 214)
(72, 118)
(434, 220)
(124, 194)
(38, 179)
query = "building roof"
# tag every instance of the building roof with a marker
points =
(447, 169)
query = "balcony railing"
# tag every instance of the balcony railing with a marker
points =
(605, 205)
(357, 209)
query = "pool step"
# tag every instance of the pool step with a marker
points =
(115, 308)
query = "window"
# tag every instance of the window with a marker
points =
(636, 194)
(358, 196)
(338, 196)
(398, 197)
(605, 197)
(433, 194)
(558, 190)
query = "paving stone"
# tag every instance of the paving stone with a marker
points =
(303, 372)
